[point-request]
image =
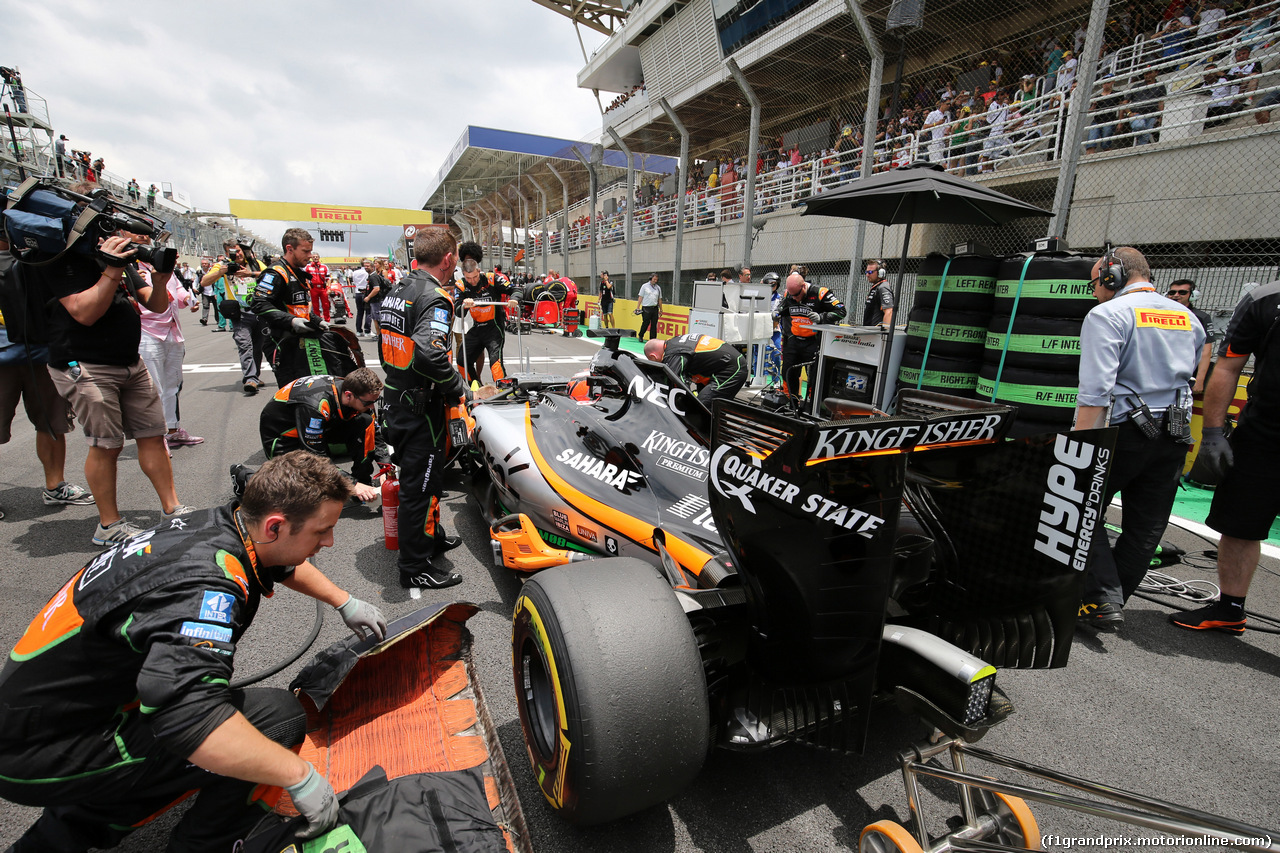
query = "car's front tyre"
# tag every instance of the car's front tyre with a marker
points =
(610, 688)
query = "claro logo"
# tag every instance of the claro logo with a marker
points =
(1072, 502)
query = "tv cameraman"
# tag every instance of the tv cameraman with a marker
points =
(238, 277)
(24, 376)
(94, 336)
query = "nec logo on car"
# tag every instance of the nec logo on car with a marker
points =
(663, 396)
(216, 607)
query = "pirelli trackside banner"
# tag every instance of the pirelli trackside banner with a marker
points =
(290, 211)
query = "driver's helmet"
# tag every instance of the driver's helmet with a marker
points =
(771, 279)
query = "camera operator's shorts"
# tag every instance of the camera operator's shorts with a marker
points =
(1246, 502)
(46, 409)
(113, 403)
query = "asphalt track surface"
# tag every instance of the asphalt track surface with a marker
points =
(1182, 716)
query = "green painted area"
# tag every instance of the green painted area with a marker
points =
(634, 345)
(1192, 503)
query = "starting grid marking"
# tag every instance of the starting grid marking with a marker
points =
(234, 367)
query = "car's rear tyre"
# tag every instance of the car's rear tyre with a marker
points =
(610, 688)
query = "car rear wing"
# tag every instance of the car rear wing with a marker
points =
(809, 512)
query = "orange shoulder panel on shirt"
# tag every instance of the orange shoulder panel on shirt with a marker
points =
(56, 621)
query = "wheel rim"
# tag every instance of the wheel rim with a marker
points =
(887, 836)
(538, 697)
(1015, 824)
(1018, 825)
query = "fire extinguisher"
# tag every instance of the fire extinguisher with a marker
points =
(390, 508)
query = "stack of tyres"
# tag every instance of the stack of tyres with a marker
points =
(959, 328)
(1032, 350)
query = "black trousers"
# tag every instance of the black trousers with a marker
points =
(418, 442)
(364, 316)
(1145, 473)
(726, 384)
(796, 351)
(649, 320)
(488, 338)
(100, 810)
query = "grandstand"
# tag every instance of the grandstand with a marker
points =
(1186, 173)
(30, 150)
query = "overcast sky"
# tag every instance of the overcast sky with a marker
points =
(325, 101)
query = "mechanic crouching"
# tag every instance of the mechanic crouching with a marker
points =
(115, 704)
(330, 416)
(717, 368)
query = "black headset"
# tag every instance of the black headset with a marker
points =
(1195, 291)
(1112, 275)
(881, 274)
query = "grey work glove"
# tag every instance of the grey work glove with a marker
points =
(316, 802)
(363, 618)
(302, 327)
(1215, 455)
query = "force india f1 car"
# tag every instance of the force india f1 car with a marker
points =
(744, 578)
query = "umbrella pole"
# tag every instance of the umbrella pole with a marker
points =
(886, 381)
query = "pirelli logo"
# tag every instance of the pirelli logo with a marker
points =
(1172, 320)
(337, 214)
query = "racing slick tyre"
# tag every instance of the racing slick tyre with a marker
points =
(1040, 395)
(970, 284)
(1048, 286)
(887, 836)
(1037, 343)
(945, 374)
(962, 334)
(610, 688)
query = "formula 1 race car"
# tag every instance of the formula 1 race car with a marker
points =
(743, 577)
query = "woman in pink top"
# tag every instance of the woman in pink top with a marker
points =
(162, 350)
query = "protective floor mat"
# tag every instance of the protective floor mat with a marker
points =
(410, 705)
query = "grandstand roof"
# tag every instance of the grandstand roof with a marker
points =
(488, 164)
(603, 16)
(810, 68)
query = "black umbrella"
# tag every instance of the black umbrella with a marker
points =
(921, 192)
